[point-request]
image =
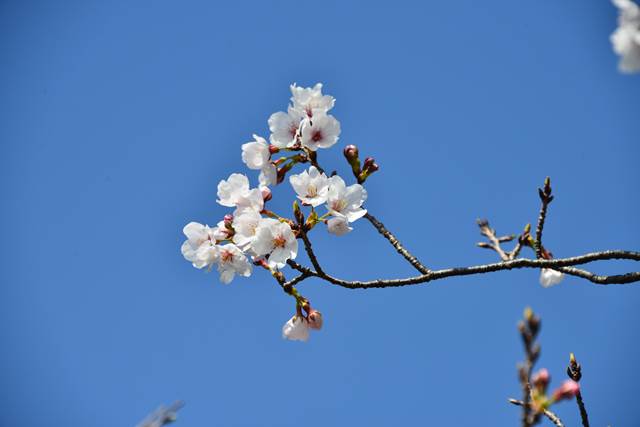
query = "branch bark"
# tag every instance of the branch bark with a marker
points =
(562, 264)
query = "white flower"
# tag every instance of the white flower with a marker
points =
(195, 248)
(626, 38)
(284, 128)
(251, 200)
(320, 132)
(232, 261)
(346, 201)
(549, 277)
(268, 175)
(338, 225)
(256, 154)
(245, 226)
(296, 329)
(229, 191)
(311, 101)
(277, 240)
(311, 186)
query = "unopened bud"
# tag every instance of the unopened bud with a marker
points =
(540, 380)
(574, 370)
(266, 193)
(351, 153)
(315, 319)
(370, 165)
(273, 149)
(567, 390)
(228, 219)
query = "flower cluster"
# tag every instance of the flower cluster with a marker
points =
(253, 235)
(626, 38)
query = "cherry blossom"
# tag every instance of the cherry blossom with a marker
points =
(346, 201)
(321, 132)
(314, 319)
(626, 38)
(338, 225)
(312, 186)
(296, 329)
(549, 277)
(251, 200)
(268, 175)
(256, 154)
(284, 127)
(276, 239)
(199, 238)
(229, 191)
(232, 261)
(310, 101)
(245, 226)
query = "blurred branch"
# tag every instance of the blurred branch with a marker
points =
(547, 413)
(162, 416)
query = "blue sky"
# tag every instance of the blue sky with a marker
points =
(119, 119)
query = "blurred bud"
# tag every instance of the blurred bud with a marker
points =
(540, 380)
(266, 193)
(370, 165)
(567, 390)
(228, 219)
(315, 319)
(273, 149)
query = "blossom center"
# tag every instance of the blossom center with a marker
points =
(279, 241)
(312, 191)
(226, 256)
(316, 136)
(338, 205)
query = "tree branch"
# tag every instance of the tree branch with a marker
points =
(547, 413)
(561, 264)
(396, 244)
(574, 371)
(545, 198)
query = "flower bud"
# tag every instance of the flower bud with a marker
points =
(273, 149)
(315, 319)
(541, 380)
(228, 219)
(370, 165)
(567, 390)
(351, 153)
(266, 193)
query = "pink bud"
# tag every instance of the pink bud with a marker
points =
(266, 193)
(567, 390)
(370, 165)
(228, 218)
(541, 379)
(273, 149)
(315, 319)
(351, 152)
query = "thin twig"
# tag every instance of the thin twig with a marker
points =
(552, 417)
(546, 198)
(495, 241)
(562, 264)
(396, 244)
(307, 245)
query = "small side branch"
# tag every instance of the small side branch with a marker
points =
(396, 244)
(546, 198)
(547, 413)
